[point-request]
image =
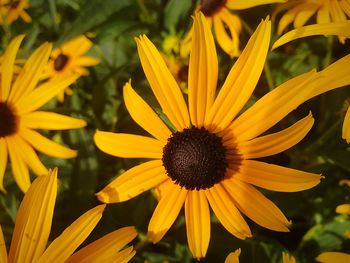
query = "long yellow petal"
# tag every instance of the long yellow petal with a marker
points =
(166, 212)
(3, 162)
(233, 257)
(244, 4)
(332, 257)
(133, 182)
(42, 94)
(227, 212)
(343, 209)
(197, 216)
(44, 145)
(203, 71)
(33, 220)
(346, 126)
(128, 145)
(256, 206)
(19, 167)
(66, 243)
(163, 84)
(323, 15)
(276, 142)
(50, 121)
(276, 178)
(304, 14)
(3, 252)
(124, 256)
(77, 46)
(31, 72)
(7, 66)
(241, 81)
(105, 248)
(334, 28)
(143, 114)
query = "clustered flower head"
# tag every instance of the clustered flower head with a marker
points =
(205, 149)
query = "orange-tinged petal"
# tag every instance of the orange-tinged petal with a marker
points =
(143, 114)
(128, 145)
(233, 257)
(343, 209)
(3, 162)
(226, 211)
(332, 257)
(323, 15)
(70, 239)
(276, 178)
(346, 127)
(166, 212)
(133, 182)
(33, 220)
(124, 256)
(3, 252)
(241, 81)
(50, 121)
(44, 145)
(276, 142)
(163, 84)
(203, 71)
(197, 216)
(244, 4)
(305, 12)
(256, 206)
(31, 72)
(105, 248)
(7, 67)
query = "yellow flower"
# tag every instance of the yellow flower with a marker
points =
(70, 58)
(208, 159)
(20, 98)
(300, 11)
(33, 225)
(227, 26)
(11, 10)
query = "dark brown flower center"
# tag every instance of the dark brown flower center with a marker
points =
(60, 62)
(210, 7)
(195, 158)
(182, 74)
(8, 120)
(15, 4)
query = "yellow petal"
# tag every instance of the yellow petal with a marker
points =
(286, 258)
(197, 223)
(272, 107)
(128, 145)
(332, 257)
(244, 4)
(346, 126)
(33, 220)
(276, 178)
(50, 121)
(3, 252)
(166, 212)
(143, 114)
(233, 257)
(256, 206)
(226, 211)
(241, 81)
(124, 256)
(304, 13)
(70, 239)
(163, 84)
(203, 71)
(287, 19)
(86, 61)
(343, 209)
(276, 142)
(133, 182)
(7, 66)
(31, 72)
(334, 28)
(3, 162)
(105, 248)
(42, 94)
(19, 167)
(77, 46)
(44, 145)
(323, 15)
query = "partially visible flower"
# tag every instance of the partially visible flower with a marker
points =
(286, 258)
(11, 10)
(70, 58)
(21, 96)
(33, 226)
(233, 257)
(227, 25)
(299, 12)
(346, 126)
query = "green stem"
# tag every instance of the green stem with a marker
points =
(328, 57)
(141, 245)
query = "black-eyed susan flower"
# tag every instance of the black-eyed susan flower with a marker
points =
(208, 159)
(33, 226)
(299, 12)
(21, 96)
(11, 10)
(69, 59)
(227, 25)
